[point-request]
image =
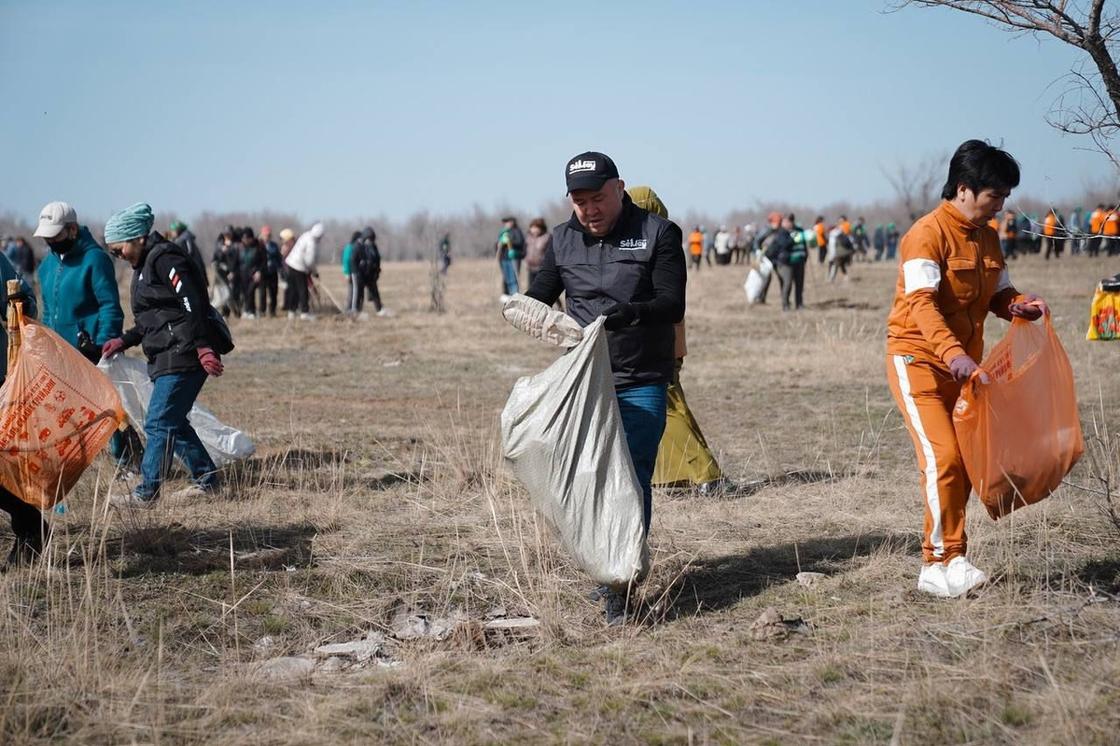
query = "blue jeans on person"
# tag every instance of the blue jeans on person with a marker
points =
(643, 420)
(125, 448)
(169, 432)
(509, 275)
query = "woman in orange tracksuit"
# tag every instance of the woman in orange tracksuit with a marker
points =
(952, 275)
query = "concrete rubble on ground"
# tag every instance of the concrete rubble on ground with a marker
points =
(770, 625)
(811, 579)
(376, 648)
(286, 668)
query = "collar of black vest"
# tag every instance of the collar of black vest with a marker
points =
(628, 210)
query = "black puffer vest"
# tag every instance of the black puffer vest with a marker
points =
(168, 343)
(597, 273)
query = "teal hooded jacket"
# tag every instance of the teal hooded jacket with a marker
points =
(79, 291)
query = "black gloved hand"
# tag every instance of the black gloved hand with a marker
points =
(620, 315)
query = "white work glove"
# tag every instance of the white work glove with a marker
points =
(541, 322)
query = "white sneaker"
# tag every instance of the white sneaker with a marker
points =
(950, 581)
(249, 316)
(307, 317)
(129, 499)
(503, 298)
(932, 580)
(384, 312)
(291, 314)
(962, 576)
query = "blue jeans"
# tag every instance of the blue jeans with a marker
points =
(643, 420)
(169, 432)
(509, 275)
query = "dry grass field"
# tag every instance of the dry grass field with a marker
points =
(377, 509)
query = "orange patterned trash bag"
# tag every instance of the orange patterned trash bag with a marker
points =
(57, 411)
(1020, 434)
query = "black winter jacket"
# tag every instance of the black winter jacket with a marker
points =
(639, 262)
(169, 306)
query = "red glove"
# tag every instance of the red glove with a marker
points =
(1030, 308)
(211, 363)
(112, 347)
(962, 367)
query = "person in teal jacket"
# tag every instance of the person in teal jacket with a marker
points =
(79, 287)
(347, 251)
(81, 302)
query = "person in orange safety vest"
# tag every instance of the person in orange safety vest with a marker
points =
(1051, 240)
(951, 276)
(696, 246)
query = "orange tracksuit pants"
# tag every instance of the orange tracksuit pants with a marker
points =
(926, 394)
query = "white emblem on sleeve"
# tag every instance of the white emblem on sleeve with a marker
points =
(920, 274)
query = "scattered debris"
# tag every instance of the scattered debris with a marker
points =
(411, 625)
(285, 668)
(264, 644)
(513, 624)
(771, 626)
(360, 650)
(811, 579)
(334, 664)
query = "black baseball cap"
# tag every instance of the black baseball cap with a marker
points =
(590, 170)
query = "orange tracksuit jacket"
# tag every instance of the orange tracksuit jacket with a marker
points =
(951, 276)
(696, 243)
(1049, 225)
(1096, 221)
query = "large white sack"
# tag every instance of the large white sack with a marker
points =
(765, 267)
(225, 444)
(562, 436)
(753, 286)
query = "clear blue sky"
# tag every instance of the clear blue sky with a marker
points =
(346, 109)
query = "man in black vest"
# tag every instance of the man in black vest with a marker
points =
(170, 309)
(614, 259)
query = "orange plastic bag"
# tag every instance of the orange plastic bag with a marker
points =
(57, 411)
(1020, 435)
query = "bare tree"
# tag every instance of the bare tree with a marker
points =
(1089, 104)
(916, 186)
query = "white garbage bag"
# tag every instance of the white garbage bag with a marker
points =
(765, 267)
(757, 280)
(753, 286)
(225, 444)
(562, 436)
(219, 293)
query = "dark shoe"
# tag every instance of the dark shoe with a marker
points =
(598, 594)
(726, 489)
(25, 550)
(132, 499)
(614, 604)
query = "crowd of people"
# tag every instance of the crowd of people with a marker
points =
(615, 260)
(1089, 234)
(618, 257)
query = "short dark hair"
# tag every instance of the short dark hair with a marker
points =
(979, 165)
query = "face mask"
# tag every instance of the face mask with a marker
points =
(61, 247)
